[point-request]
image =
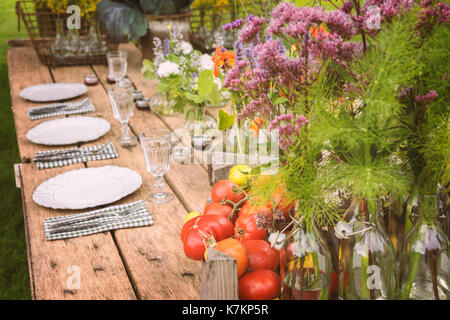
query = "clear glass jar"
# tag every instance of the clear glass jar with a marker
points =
(197, 122)
(162, 105)
(426, 267)
(367, 259)
(305, 265)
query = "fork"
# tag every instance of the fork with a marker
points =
(64, 154)
(64, 106)
(69, 222)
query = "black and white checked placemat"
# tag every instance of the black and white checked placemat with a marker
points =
(77, 156)
(138, 219)
(88, 107)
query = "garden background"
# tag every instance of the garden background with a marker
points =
(14, 283)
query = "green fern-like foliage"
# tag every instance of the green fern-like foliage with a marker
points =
(378, 141)
(428, 142)
(363, 131)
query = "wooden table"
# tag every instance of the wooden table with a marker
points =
(134, 263)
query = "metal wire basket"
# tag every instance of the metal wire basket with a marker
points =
(58, 46)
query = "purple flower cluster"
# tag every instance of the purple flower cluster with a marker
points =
(287, 126)
(427, 98)
(250, 32)
(166, 47)
(233, 25)
(261, 106)
(430, 14)
(286, 60)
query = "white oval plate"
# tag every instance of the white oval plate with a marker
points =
(53, 91)
(87, 188)
(69, 130)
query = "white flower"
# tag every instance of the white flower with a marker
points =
(186, 47)
(168, 68)
(205, 62)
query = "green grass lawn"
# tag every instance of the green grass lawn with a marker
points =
(14, 283)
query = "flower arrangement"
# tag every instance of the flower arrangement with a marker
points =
(357, 97)
(185, 75)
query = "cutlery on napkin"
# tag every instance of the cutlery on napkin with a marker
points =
(116, 217)
(59, 158)
(63, 108)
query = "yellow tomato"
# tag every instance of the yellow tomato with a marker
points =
(240, 174)
(191, 215)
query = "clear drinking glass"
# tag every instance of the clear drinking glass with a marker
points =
(117, 64)
(156, 145)
(122, 104)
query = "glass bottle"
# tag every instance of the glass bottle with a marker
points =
(72, 42)
(305, 265)
(426, 265)
(57, 49)
(367, 259)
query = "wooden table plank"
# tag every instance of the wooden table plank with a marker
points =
(102, 274)
(152, 255)
(25, 70)
(97, 255)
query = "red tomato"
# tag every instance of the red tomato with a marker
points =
(217, 208)
(235, 249)
(250, 208)
(260, 284)
(261, 255)
(246, 228)
(279, 201)
(226, 190)
(202, 229)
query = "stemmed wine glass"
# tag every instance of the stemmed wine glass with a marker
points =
(117, 64)
(122, 104)
(156, 145)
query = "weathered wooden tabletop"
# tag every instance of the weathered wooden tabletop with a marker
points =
(135, 263)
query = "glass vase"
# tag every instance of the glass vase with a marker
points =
(426, 268)
(197, 122)
(305, 265)
(161, 104)
(367, 258)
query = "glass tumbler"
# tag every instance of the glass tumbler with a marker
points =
(117, 64)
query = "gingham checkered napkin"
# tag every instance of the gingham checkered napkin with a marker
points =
(138, 219)
(88, 107)
(77, 156)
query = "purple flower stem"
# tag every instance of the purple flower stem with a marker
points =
(363, 34)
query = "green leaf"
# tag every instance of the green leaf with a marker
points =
(225, 120)
(214, 95)
(279, 100)
(205, 83)
(148, 69)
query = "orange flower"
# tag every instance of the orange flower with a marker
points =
(320, 29)
(223, 60)
(255, 125)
